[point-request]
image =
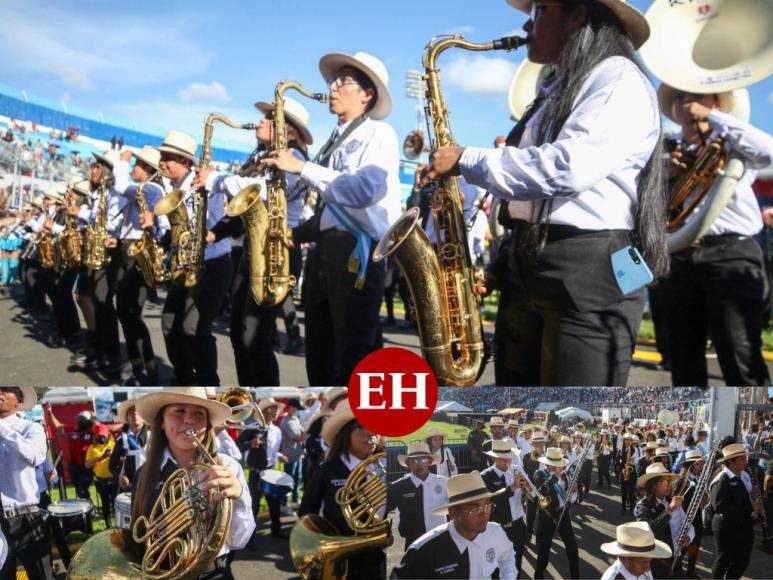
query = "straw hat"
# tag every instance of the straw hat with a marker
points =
(79, 186)
(148, 406)
(662, 452)
(465, 488)
(333, 395)
(633, 22)
(149, 156)
(54, 192)
(538, 437)
(636, 540)
(179, 143)
(500, 449)
(340, 417)
(733, 450)
(296, 114)
(524, 86)
(604, 432)
(434, 432)
(651, 445)
(735, 103)
(109, 158)
(495, 422)
(655, 470)
(692, 456)
(513, 424)
(264, 404)
(554, 456)
(565, 439)
(124, 408)
(37, 202)
(30, 399)
(416, 449)
(330, 64)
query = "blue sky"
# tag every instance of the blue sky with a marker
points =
(167, 64)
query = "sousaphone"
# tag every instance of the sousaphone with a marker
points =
(710, 47)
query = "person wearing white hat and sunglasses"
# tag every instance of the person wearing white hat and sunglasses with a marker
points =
(417, 493)
(635, 547)
(357, 176)
(22, 448)
(469, 545)
(584, 178)
(253, 326)
(734, 513)
(717, 289)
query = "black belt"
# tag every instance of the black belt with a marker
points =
(721, 239)
(558, 232)
(335, 233)
(10, 513)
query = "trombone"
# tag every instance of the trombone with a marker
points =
(529, 488)
(243, 407)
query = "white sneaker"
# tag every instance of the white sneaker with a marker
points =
(287, 510)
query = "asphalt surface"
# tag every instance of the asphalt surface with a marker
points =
(28, 358)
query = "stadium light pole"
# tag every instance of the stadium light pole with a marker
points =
(415, 89)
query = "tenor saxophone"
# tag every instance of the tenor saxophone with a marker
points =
(95, 238)
(446, 291)
(268, 235)
(69, 244)
(189, 232)
(149, 255)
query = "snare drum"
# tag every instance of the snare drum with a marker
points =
(123, 511)
(275, 483)
(73, 514)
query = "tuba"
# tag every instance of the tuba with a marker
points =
(444, 288)
(717, 46)
(149, 255)
(317, 548)
(69, 243)
(95, 237)
(268, 235)
(189, 232)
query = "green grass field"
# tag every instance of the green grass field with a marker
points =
(451, 431)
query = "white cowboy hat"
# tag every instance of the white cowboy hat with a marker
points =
(79, 186)
(651, 445)
(655, 470)
(733, 450)
(416, 449)
(465, 488)
(565, 439)
(495, 422)
(109, 158)
(124, 408)
(37, 202)
(340, 417)
(537, 437)
(179, 143)
(735, 103)
(296, 114)
(524, 86)
(264, 404)
(149, 155)
(333, 395)
(554, 456)
(500, 449)
(692, 456)
(434, 432)
(330, 64)
(148, 406)
(662, 452)
(513, 424)
(30, 399)
(636, 540)
(633, 22)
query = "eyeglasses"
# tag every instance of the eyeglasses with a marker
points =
(538, 7)
(420, 460)
(479, 510)
(682, 95)
(341, 80)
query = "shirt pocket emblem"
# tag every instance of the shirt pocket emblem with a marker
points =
(352, 146)
(490, 554)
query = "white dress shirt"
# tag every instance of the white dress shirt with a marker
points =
(227, 446)
(130, 209)
(114, 201)
(22, 449)
(273, 442)
(434, 494)
(446, 465)
(524, 445)
(243, 522)
(490, 550)
(363, 177)
(618, 568)
(675, 523)
(516, 500)
(592, 169)
(742, 215)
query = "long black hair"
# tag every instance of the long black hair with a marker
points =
(601, 37)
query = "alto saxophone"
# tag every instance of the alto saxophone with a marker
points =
(188, 239)
(268, 235)
(95, 238)
(70, 243)
(444, 288)
(149, 254)
(45, 244)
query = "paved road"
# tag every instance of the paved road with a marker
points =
(25, 357)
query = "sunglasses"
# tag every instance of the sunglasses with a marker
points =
(479, 510)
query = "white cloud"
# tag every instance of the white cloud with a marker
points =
(202, 92)
(480, 74)
(463, 30)
(770, 98)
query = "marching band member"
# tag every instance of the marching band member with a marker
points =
(584, 181)
(647, 458)
(635, 548)
(551, 481)
(497, 428)
(314, 445)
(349, 445)
(663, 513)
(627, 459)
(693, 465)
(524, 440)
(734, 509)
(565, 444)
(508, 506)
(469, 545)
(189, 313)
(717, 289)
(418, 493)
(580, 440)
(475, 439)
(531, 465)
(22, 448)
(445, 463)
(171, 412)
(603, 458)
(129, 453)
(357, 176)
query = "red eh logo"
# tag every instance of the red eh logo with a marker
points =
(393, 392)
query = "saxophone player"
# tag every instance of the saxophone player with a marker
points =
(583, 179)
(356, 175)
(692, 467)
(627, 459)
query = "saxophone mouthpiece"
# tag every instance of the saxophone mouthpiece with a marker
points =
(321, 97)
(510, 43)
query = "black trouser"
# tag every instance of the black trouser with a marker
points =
(717, 291)
(81, 480)
(67, 320)
(221, 569)
(40, 281)
(545, 532)
(603, 467)
(563, 320)
(531, 515)
(107, 489)
(57, 533)
(342, 322)
(187, 324)
(734, 542)
(30, 544)
(252, 333)
(273, 502)
(292, 328)
(658, 295)
(628, 493)
(131, 293)
(583, 481)
(661, 568)
(104, 305)
(516, 532)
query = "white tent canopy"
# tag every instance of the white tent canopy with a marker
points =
(59, 395)
(451, 407)
(570, 412)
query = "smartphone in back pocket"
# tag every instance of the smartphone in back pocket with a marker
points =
(630, 270)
